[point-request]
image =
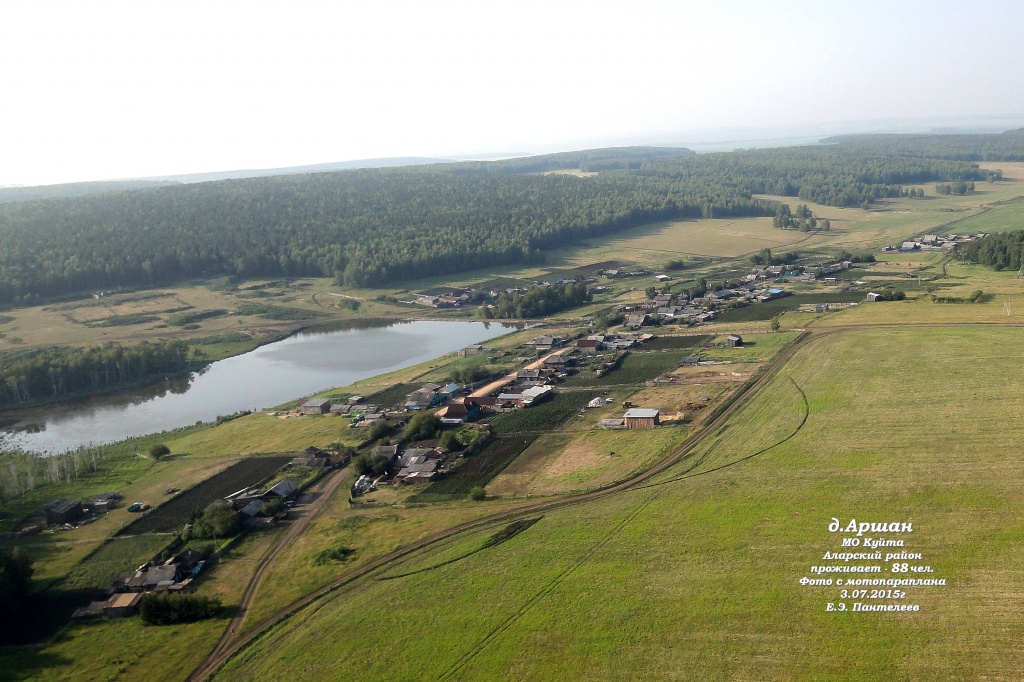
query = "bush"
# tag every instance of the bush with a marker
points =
(158, 451)
(422, 426)
(165, 609)
(371, 465)
(219, 520)
(477, 493)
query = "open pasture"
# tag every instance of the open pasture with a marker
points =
(698, 574)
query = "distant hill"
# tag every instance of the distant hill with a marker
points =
(76, 189)
(1005, 146)
(393, 162)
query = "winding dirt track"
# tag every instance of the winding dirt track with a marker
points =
(323, 489)
(231, 643)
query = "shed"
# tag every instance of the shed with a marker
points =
(63, 511)
(122, 605)
(103, 502)
(315, 406)
(874, 296)
(734, 341)
(641, 418)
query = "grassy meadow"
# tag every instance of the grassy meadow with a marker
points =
(697, 575)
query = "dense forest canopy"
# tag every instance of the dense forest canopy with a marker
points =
(374, 227)
(75, 189)
(1002, 251)
(1006, 146)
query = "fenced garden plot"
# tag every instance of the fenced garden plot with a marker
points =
(477, 470)
(635, 368)
(548, 416)
(173, 514)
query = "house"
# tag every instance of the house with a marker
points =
(159, 577)
(459, 411)
(690, 361)
(472, 350)
(589, 346)
(641, 418)
(389, 451)
(284, 489)
(315, 406)
(637, 320)
(484, 404)
(556, 362)
(908, 246)
(734, 341)
(416, 469)
(507, 401)
(546, 343)
(427, 396)
(63, 511)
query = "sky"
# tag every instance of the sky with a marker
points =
(101, 89)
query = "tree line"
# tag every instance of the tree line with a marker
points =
(1002, 251)
(1005, 146)
(376, 227)
(57, 372)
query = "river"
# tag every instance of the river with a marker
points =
(306, 363)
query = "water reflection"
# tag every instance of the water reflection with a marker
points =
(314, 360)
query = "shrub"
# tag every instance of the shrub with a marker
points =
(165, 609)
(477, 493)
(159, 451)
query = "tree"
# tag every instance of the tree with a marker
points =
(15, 578)
(219, 520)
(477, 493)
(650, 292)
(371, 465)
(776, 324)
(422, 426)
(159, 451)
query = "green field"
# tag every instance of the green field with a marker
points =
(699, 577)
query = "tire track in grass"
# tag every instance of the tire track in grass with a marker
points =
(687, 474)
(553, 584)
(496, 632)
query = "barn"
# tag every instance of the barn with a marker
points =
(641, 418)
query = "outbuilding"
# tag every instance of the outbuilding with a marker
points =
(641, 418)
(315, 406)
(734, 341)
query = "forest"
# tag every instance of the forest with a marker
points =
(375, 227)
(1002, 251)
(58, 372)
(539, 301)
(1005, 146)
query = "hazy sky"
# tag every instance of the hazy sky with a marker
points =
(100, 89)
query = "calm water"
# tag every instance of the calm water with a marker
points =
(270, 375)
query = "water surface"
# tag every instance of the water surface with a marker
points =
(298, 366)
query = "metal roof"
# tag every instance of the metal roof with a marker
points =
(641, 413)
